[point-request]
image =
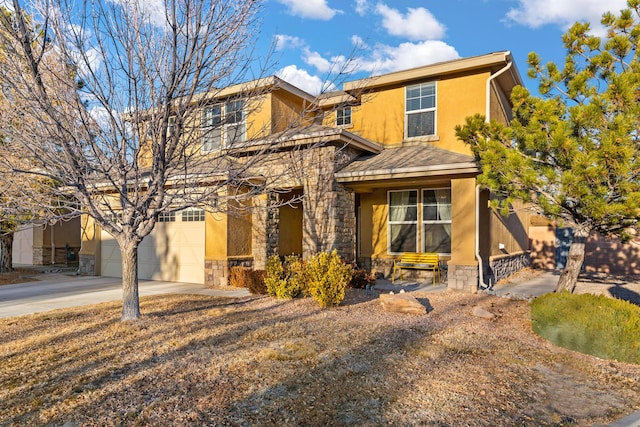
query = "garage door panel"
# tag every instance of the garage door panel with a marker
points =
(174, 251)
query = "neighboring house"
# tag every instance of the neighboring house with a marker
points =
(550, 244)
(47, 244)
(379, 172)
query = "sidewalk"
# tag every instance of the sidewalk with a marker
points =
(527, 287)
(55, 290)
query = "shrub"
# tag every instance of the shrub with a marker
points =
(328, 277)
(256, 285)
(360, 278)
(296, 274)
(278, 279)
(604, 327)
(240, 277)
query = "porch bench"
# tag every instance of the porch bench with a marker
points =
(417, 261)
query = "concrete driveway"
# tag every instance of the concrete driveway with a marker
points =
(54, 291)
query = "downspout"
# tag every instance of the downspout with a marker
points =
(487, 116)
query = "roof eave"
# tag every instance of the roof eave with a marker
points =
(413, 172)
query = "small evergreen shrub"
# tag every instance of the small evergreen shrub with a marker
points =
(604, 327)
(296, 274)
(278, 279)
(328, 277)
(360, 278)
(240, 277)
(256, 285)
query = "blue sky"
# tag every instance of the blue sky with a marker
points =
(388, 35)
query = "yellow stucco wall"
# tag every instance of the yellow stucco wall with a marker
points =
(259, 111)
(374, 215)
(463, 221)
(215, 236)
(287, 110)
(380, 116)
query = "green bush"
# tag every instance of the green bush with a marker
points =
(278, 279)
(604, 327)
(327, 278)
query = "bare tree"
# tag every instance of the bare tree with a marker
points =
(118, 94)
(115, 92)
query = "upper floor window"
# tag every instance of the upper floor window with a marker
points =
(223, 125)
(343, 116)
(420, 110)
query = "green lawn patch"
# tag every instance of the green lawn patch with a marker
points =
(593, 324)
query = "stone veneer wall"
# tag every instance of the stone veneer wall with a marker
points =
(216, 272)
(87, 265)
(502, 266)
(329, 220)
(463, 278)
(38, 256)
(264, 237)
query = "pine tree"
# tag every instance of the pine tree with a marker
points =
(573, 152)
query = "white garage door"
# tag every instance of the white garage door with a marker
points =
(174, 251)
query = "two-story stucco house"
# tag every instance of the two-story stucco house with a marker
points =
(381, 172)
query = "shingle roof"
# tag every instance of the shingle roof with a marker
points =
(407, 161)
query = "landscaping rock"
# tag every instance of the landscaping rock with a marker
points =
(402, 303)
(481, 312)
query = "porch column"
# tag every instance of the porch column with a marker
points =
(463, 266)
(329, 220)
(264, 236)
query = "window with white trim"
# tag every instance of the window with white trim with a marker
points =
(436, 220)
(193, 215)
(420, 110)
(343, 116)
(223, 125)
(425, 213)
(167, 217)
(403, 221)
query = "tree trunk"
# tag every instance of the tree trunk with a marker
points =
(6, 243)
(569, 276)
(130, 297)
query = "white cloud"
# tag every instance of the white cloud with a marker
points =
(312, 9)
(536, 13)
(302, 79)
(284, 41)
(362, 6)
(417, 24)
(316, 60)
(385, 59)
(153, 10)
(358, 42)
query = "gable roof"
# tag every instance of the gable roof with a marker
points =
(492, 61)
(306, 135)
(413, 161)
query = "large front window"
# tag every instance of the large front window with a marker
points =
(223, 125)
(436, 220)
(420, 109)
(427, 216)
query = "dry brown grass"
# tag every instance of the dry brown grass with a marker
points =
(18, 275)
(194, 360)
